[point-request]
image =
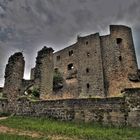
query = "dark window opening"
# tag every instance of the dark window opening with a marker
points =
(87, 70)
(86, 42)
(58, 57)
(88, 86)
(71, 53)
(70, 66)
(88, 54)
(2, 105)
(56, 70)
(118, 40)
(120, 58)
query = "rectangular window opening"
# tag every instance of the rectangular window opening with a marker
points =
(58, 58)
(70, 66)
(88, 54)
(71, 53)
(88, 86)
(87, 70)
(119, 40)
(86, 42)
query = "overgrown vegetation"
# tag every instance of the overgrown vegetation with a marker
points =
(33, 92)
(72, 130)
(57, 80)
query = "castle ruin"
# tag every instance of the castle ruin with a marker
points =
(100, 75)
(95, 66)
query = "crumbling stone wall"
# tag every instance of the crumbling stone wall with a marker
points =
(132, 99)
(62, 59)
(43, 73)
(117, 110)
(13, 79)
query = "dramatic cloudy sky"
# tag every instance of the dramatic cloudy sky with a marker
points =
(27, 25)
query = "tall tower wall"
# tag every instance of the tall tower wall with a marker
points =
(119, 59)
(90, 70)
(43, 73)
(13, 79)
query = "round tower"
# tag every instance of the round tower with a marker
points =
(123, 61)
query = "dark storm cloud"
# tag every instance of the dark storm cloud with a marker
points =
(26, 25)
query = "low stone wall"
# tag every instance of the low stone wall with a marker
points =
(132, 101)
(117, 110)
(109, 110)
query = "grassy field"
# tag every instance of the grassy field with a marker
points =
(70, 131)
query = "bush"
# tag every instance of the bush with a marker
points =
(57, 81)
(35, 92)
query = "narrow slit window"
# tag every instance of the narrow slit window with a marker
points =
(88, 86)
(87, 70)
(120, 58)
(71, 53)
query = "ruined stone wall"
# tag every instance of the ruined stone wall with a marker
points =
(132, 99)
(62, 59)
(13, 79)
(100, 65)
(87, 110)
(43, 73)
(117, 110)
(119, 59)
(85, 79)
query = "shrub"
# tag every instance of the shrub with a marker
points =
(35, 92)
(57, 81)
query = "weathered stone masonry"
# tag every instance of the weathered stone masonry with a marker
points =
(101, 65)
(13, 79)
(120, 111)
(43, 72)
(95, 66)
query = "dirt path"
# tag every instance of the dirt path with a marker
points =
(3, 118)
(33, 134)
(4, 129)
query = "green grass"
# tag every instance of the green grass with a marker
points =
(15, 137)
(70, 129)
